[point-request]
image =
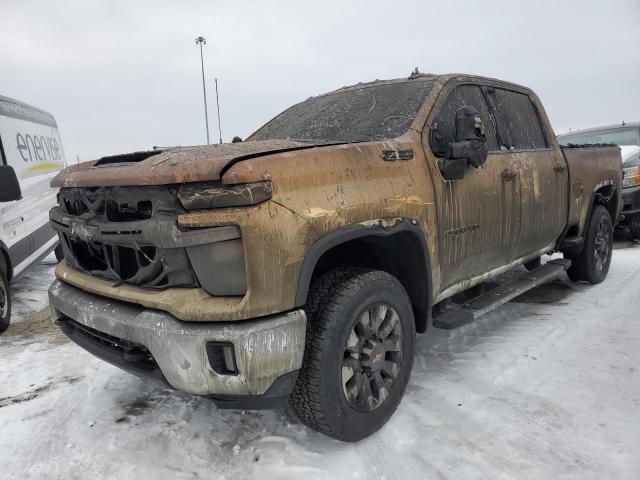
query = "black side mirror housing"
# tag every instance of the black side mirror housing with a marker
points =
(469, 148)
(9, 184)
(453, 168)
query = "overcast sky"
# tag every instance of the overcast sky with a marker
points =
(124, 75)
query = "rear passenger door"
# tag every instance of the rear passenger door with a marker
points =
(541, 170)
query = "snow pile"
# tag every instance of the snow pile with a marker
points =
(546, 387)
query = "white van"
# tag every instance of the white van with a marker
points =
(30, 155)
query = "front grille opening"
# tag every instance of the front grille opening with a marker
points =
(75, 207)
(127, 260)
(145, 208)
(146, 255)
(90, 255)
(128, 212)
(124, 261)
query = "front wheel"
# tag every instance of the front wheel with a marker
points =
(5, 302)
(358, 355)
(593, 262)
(634, 227)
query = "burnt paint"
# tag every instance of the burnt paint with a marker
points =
(320, 190)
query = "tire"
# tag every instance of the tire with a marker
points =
(5, 301)
(593, 262)
(59, 252)
(634, 227)
(340, 348)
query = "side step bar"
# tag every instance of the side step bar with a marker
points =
(468, 312)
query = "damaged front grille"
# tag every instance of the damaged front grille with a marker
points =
(100, 232)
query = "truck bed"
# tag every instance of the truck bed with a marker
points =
(591, 167)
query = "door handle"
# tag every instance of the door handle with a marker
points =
(509, 174)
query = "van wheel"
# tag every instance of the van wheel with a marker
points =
(59, 252)
(593, 262)
(358, 354)
(5, 302)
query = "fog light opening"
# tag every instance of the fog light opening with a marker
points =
(222, 358)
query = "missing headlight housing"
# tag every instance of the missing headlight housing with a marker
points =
(205, 195)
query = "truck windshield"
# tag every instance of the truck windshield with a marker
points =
(619, 136)
(372, 112)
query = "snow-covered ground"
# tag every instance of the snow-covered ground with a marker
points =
(546, 387)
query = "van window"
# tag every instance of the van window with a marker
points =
(517, 120)
(444, 123)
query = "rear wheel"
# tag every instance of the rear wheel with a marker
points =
(5, 301)
(634, 227)
(358, 354)
(593, 262)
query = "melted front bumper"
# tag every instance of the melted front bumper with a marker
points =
(266, 349)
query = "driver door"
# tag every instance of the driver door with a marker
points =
(478, 215)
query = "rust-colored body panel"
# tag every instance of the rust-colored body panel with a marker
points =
(316, 187)
(174, 165)
(590, 168)
(474, 228)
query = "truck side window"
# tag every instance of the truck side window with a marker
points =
(517, 120)
(443, 130)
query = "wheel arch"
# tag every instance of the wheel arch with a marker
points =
(5, 261)
(400, 249)
(605, 194)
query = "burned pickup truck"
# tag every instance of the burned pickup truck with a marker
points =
(301, 263)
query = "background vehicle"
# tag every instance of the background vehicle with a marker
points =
(302, 262)
(30, 156)
(627, 137)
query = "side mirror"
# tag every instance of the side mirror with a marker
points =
(9, 185)
(453, 168)
(469, 148)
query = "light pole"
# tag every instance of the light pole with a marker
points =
(200, 41)
(218, 106)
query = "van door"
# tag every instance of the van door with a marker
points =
(12, 231)
(32, 147)
(541, 170)
(478, 215)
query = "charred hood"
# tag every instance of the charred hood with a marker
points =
(170, 166)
